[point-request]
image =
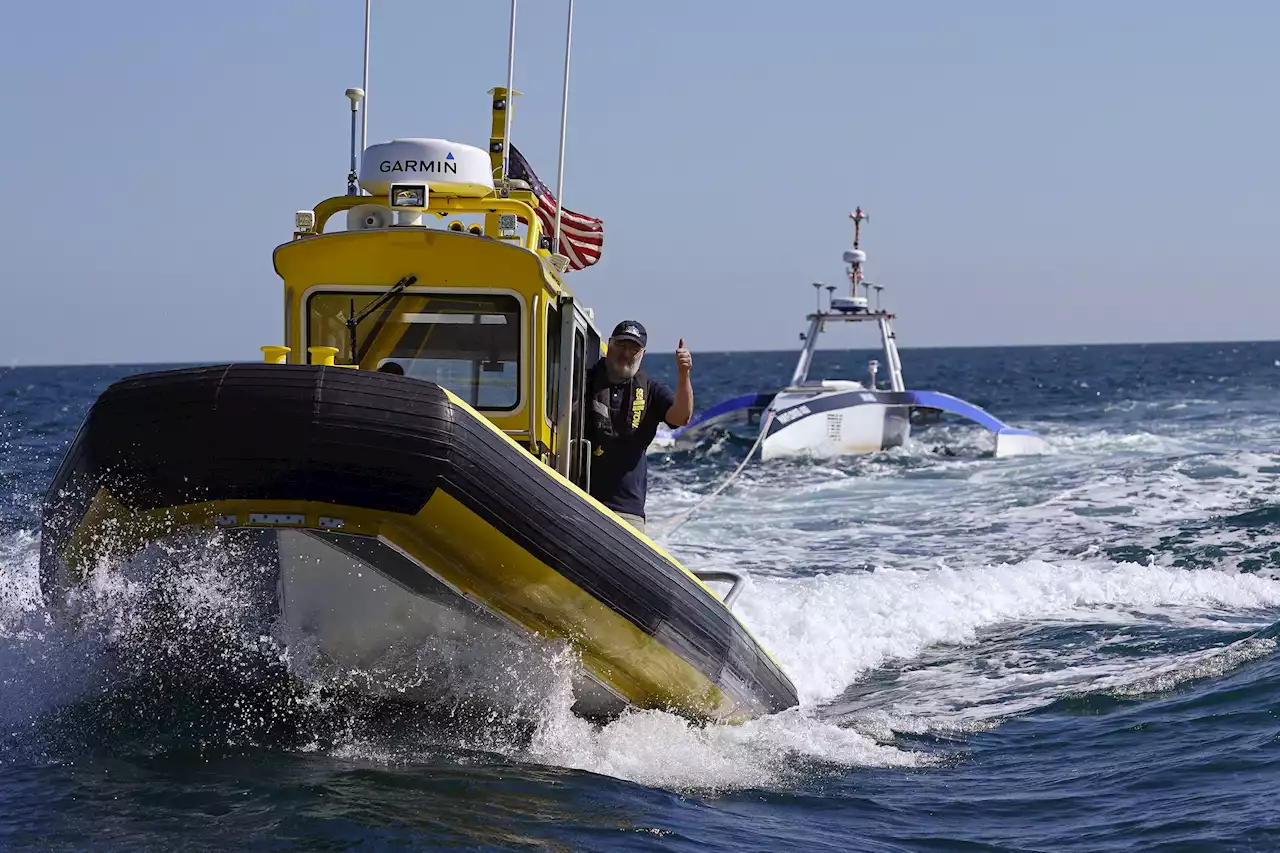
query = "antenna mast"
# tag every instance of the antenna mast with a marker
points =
(857, 256)
(356, 96)
(364, 112)
(858, 218)
(564, 123)
(511, 73)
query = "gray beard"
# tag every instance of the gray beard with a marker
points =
(615, 377)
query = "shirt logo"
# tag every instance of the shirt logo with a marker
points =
(637, 408)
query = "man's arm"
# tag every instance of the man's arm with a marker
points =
(682, 409)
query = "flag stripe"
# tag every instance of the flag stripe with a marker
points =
(581, 237)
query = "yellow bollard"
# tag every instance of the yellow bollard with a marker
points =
(274, 354)
(322, 355)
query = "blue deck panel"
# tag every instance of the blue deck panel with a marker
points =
(965, 409)
(720, 410)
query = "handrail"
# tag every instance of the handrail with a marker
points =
(532, 373)
(441, 204)
(583, 449)
(738, 580)
(564, 400)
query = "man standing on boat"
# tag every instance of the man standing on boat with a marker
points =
(624, 408)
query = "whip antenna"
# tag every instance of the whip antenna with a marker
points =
(511, 74)
(364, 111)
(564, 123)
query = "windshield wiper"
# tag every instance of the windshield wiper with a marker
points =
(354, 319)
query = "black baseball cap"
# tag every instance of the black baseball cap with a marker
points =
(630, 330)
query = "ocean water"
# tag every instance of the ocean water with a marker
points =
(1074, 651)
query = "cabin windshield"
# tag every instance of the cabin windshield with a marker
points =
(468, 343)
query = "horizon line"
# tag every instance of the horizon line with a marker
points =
(13, 364)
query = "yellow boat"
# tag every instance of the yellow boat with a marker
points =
(413, 453)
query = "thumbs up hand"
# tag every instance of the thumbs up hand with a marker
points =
(684, 360)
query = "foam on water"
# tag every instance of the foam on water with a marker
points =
(902, 508)
(41, 666)
(663, 750)
(19, 584)
(828, 631)
(911, 591)
(46, 668)
(1163, 677)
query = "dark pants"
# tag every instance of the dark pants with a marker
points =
(634, 520)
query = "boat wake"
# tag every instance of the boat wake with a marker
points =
(176, 654)
(891, 664)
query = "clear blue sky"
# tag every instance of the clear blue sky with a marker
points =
(1035, 172)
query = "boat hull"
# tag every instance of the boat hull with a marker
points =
(458, 529)
(835, 422)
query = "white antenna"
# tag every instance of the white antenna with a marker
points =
(564, 123)
(364, 113)
(356, 96)
(511, 74)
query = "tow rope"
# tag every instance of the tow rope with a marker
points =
(677, 522)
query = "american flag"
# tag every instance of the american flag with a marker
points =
(581, 237)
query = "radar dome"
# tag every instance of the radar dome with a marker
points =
(447, 167)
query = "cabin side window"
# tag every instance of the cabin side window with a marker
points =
(468, 343)
(579, 360)
(553, 365)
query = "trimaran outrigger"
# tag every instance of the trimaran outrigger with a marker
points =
(399, 507)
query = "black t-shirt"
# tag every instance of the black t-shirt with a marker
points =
(619, 474)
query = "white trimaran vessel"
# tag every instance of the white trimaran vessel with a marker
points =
(835, 417)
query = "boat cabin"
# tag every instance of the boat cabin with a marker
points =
(445, 274)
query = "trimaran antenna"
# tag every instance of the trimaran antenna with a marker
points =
(855, 257)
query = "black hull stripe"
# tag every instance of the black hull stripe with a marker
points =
(384, 442)
(844, 400)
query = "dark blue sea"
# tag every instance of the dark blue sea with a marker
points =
(1074, 651)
